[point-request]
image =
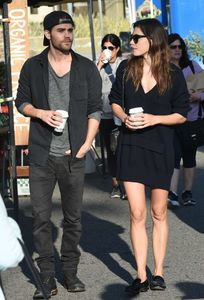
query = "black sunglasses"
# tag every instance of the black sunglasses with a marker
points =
(175, 46)
(111, 48)
(136, 37)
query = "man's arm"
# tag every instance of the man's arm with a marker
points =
(29, 110)
(94, 90)
(92, 129)
(94, 109)
(50, 117)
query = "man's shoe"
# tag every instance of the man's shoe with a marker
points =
(187, 198)
(157, 283)
(173, 199)
(49, 285)
(137, 286)
(73, 284)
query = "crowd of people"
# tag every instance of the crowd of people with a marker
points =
(98, 97)
(179, 57)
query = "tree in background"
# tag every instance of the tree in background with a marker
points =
(195, 45)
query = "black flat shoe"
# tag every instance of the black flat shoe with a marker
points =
(157, 283)
(137, 286)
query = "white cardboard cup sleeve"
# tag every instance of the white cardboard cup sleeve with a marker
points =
(136, 110)
(64, 115)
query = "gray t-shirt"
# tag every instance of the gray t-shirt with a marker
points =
(58, 98)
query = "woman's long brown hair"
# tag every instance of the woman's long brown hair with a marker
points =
(159, 54)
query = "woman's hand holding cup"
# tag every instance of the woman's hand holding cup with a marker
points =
(135, 119)
(104, 58)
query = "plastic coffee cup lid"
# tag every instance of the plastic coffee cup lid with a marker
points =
(135, 110)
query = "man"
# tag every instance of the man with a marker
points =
(59, 79)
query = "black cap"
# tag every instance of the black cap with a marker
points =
(55, 18)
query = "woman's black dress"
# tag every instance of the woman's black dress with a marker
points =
(147, 155)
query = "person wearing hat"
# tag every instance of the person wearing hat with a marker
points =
(59, 79)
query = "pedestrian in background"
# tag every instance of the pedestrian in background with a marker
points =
(59, 79)
(108, 62)
(11, 252)
(179, 56)
(145, 151)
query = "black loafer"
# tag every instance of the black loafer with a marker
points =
(74, 284)
(137, 286)
(49, 285)
(157, 283)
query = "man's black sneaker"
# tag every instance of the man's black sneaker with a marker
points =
(137, 286)
(187, 198)
(173, 199)
(49, 285)
(73, 284)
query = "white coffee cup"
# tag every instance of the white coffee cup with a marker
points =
(64, 115)
(107, 54)
(136, 110)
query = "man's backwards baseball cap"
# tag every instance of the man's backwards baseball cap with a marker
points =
(55, 18)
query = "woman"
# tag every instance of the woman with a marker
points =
(145, 150)
(179, 56)
(107, 71)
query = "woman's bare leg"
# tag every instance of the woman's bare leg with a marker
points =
(160, 228)
(137, 204)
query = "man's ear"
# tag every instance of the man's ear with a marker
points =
(47, 34)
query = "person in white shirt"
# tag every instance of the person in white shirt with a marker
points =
(11, 252)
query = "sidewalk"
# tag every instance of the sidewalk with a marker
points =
(107, 263)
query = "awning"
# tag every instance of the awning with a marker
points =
(44, 2)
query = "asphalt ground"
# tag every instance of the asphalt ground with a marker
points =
(107, 264)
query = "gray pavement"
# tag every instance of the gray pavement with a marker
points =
(107, 263)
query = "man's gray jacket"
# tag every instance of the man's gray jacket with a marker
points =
(85, 99)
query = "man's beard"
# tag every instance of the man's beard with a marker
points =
(61, 49)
